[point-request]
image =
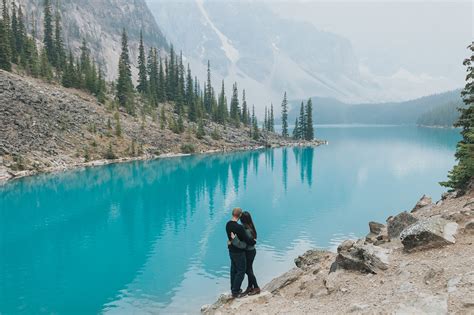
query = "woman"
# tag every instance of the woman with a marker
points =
(250, 252)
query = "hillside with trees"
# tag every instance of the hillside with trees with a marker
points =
(332, 111)
(444, 115)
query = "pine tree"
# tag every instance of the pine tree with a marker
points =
(84, 65)
(5, 58)
(153, 75)
(101, 88)
(309, 130)
(48, 33)
(21, 39)
(58, 43)
(124, 82)
(190, 98)
(161, 94)
(162, 118)
(5, 46)
(272, 119)
(208, 90)
(234, 107)
(180, 91)
(255, 130)
(142, 86)
(170, 76)
(200, 133)
(265, 120)
(284, 117)
(46, 72)
(222, 106)
(462, 175)
(14, 35)
(302, 123)
(31, 54)
(245, 118)
(296, 130)
(69, 74)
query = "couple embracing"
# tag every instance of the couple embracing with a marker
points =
(241, 244)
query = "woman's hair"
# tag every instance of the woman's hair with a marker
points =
(247, 221)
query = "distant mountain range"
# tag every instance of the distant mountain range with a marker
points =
(331, 111)
(247, 42)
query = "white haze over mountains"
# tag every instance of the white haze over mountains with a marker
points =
(352, 51)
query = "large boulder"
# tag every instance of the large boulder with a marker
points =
(429, 233)
(361, 257)
(396, 224)
(423, 202)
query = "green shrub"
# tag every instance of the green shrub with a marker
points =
(188, 148)
(216, 134)
(109, 154)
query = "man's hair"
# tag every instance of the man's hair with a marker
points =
(237, 212)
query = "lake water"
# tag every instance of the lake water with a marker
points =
(149, 236)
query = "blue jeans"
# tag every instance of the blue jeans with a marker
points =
(238, 266)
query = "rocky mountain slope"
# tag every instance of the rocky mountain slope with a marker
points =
(101, 22)
(45, 127)
(418, 263)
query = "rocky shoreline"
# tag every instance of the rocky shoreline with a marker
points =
(418, 262)
(7, 175)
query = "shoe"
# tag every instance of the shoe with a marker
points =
(237, 295)
(255, 291)
(247, 291)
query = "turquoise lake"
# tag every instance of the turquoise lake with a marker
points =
(150, 236)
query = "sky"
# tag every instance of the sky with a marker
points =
(425, 38)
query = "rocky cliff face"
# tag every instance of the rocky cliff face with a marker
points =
(101, 22)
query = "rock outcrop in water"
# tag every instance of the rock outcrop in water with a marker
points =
(44, 127)
(437, 278)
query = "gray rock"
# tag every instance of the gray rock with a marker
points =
(376, 227)
(429, 233)
(283, 280)
(396, 224)
(311, 259)
(423, 202)
(378, 233)
(469, 227)
(358, 307)
(362, 257)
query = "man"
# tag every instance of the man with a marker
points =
(238, 263)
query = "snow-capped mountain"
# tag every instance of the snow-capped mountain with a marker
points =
(267, 54)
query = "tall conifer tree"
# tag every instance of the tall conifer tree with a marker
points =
(284, 117)
(462, 175)
(142, 86)
(124, 83)
(245, 118)
(302, 123)
(309, 132)
(48, 40)
(234, 106)
(58, 42)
